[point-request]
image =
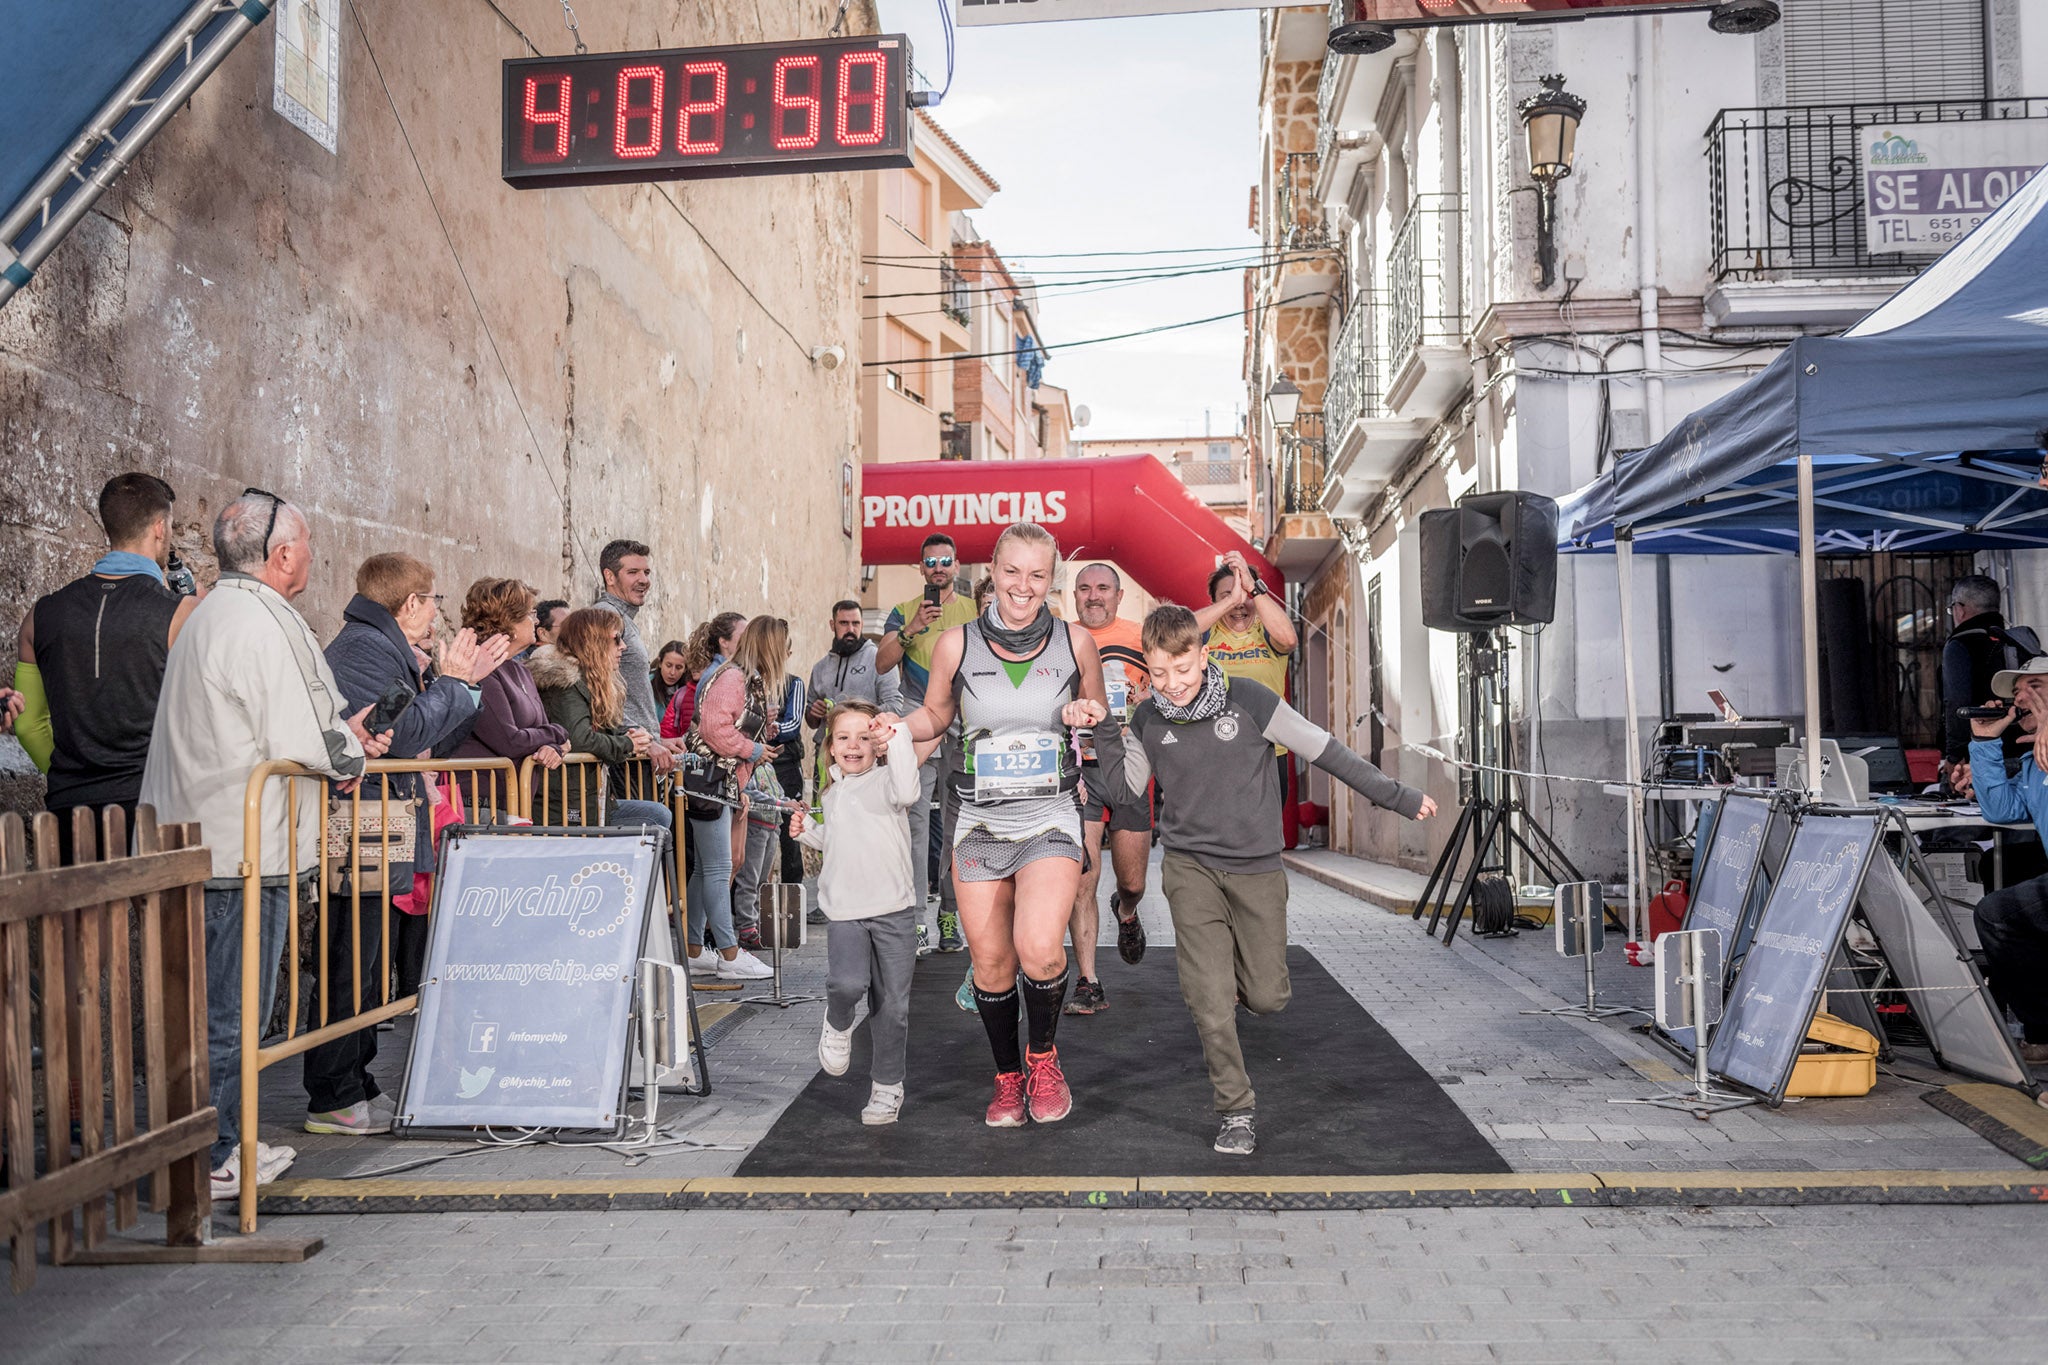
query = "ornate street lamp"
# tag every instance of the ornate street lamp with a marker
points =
(1551, 122)
(1282, 400)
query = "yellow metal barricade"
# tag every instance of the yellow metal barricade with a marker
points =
(375, 838)
(568, 794)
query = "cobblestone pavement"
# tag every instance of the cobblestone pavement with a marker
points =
(1808, 1285)
(1538, 1087)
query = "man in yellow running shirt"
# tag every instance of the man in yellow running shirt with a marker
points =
(1249, 636)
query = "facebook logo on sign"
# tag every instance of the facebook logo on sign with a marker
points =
(483, 1037)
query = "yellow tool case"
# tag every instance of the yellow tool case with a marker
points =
(1837, 1059)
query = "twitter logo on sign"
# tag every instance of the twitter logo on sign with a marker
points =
(474, 1082)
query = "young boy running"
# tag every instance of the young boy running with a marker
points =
(867, 892)
(1210, 739)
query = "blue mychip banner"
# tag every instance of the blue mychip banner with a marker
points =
(527, 998)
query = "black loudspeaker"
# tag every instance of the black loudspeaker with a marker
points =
(1490, 561)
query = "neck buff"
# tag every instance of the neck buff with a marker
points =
(125, 562)
(1206, 704)
(1025, 641)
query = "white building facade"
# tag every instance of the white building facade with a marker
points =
(1713, 212)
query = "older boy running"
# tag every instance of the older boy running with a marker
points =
(1209, 738)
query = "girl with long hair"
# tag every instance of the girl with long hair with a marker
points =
(710, 643)
(1019, 680)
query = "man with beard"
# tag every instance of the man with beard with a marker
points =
(1098, 593)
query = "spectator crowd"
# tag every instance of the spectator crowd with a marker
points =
(134, 688)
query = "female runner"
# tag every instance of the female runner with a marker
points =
(1018, 678)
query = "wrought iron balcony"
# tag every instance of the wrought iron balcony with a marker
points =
(955, 297)
(1786, 196)
(1303, 456)
(1300, 222)
(1422, 280)
(956, 442)
(1355, 389)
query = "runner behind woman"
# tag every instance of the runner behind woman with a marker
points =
(1209, 738)
(1019, 679)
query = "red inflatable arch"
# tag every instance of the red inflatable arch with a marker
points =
(1129, 508)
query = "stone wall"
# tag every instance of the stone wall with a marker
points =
(427, 360)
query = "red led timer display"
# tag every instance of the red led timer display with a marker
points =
(757, 109)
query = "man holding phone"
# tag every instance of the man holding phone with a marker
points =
(2012, 922)
(909, 638)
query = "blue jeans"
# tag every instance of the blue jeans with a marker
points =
(223, 920)
(633, 814)
(711, 882)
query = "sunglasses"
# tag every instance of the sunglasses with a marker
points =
(938, 561)
(271, 525)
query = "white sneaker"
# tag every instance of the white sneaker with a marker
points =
(704, 963)
(835, 1049)
(271, 1162)
(885, 1102)
(743, 966)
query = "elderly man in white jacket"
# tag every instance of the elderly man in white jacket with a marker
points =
(246, 684)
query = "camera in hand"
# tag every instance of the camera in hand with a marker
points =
(1990, 711)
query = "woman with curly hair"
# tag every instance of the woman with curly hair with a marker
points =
(511, 721)
(578, 678)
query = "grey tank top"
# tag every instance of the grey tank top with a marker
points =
(995, 702)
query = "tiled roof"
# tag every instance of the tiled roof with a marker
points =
(958, 150)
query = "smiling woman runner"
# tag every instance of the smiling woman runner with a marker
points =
(1019, 679)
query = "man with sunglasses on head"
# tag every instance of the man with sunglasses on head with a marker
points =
(245, 684)
(909, 638)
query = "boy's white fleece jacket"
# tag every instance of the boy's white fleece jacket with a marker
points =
(866, 837)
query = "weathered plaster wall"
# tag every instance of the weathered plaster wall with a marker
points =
(556, 368)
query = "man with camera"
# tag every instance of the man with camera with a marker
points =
(92, 658)
(2012, 922)
(909, 637)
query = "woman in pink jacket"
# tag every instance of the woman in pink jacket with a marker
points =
(736, 700)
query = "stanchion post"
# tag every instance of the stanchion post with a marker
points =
(1624, 568)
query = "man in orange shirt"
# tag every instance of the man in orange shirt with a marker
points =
(1098, 592)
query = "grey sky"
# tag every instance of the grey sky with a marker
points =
(1116, 135)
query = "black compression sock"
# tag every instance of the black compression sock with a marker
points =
(998, 1012)
(1042, 1001)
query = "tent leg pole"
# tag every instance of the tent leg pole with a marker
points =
(1624, 567)
(1809, 624)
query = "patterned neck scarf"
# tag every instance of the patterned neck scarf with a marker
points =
(1206, 704)
(1025, 641)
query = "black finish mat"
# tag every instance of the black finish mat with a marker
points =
(1336, 1094)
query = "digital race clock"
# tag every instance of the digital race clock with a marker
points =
(836, 104)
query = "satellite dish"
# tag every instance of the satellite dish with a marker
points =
(1082, 416)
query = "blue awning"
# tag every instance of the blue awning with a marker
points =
(1955, 361)
(1862, 504)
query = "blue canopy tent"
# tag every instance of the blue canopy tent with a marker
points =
(1922, 427)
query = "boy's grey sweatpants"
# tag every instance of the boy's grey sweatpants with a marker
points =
(873, 958)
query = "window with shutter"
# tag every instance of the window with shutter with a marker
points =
(1857, 51)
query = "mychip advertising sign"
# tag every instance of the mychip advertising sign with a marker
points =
(1926, 185)
(526, 1002)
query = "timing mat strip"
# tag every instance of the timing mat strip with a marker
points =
(1611, 1189)
(2008, 1119)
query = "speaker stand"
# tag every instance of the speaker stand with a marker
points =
(1490, 826)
